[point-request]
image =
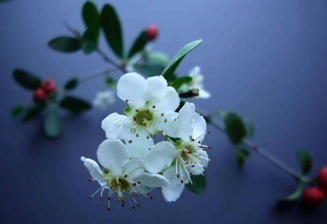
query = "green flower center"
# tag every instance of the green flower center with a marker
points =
(186, 152)
(120, 185)
(144, 118)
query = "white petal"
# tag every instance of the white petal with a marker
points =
(138, 147)
(185, 121)
(198, 168)
(168, 124)
(199, 127)
(155, 88)
(175, 188)
(116, 126)
(195, 71)
(133, 168)
(204, 94)
(112, 154)
(130, 88)
(169, 102)
(93, 168)
(160, 157)
(152, 180)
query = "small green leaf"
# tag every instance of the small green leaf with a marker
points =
(138, 44)
(89, 42)
(65, 44)
(241, 155)
(235, 127)
(32, 112)
(304, 159)
(149, 69)
(52, 124)
(189, 94)
(168, 73)
(180, 81)
(156, 58)
(110, 82)
(112, 29)
(16, 111)
(199, 184)
(91, 18)
(295, 195)
(26, 79)
(74, 104)
(71, 84)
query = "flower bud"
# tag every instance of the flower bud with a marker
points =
(39, 96)
(322, 179)
(152, 32)
(313, 196)
(48, 86)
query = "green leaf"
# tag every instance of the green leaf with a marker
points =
(32, 112)
(156, 58)
(149, 69)
(295, 195)
(16, 111)
(71, 84)
(26, 79)
(235, 128)
(111, 82)
(52, 124)
(112, 29)
(168, 73)
(190, 93)
(199, 184)
(138, 44)
(89, 41)
(241, 155)
(304, 159)
(74, 104)
(91, 18)
(65, 44)
(180, 81)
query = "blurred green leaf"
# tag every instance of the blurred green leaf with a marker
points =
(112, 29)
(110, 82)
(52, 123)
(189, 94)
(249, 128)
(139, 44)
(235, 128)
(91, 18)
(149, 69)
(16, 111)
(32, 112)
(295, 195)
(168, 73)
(89, 42)
(241, 155)
(26, 79)
(65, 44)
(156, 58)
(199, 184)
(180, 81)
(74, 104)
(304, 159)
(71, 84)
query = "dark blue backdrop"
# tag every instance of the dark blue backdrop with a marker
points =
(265, 59)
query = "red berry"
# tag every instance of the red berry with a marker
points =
(39, 96)
(152, 32)
(48, 85)
(322, 179)
(312, 196)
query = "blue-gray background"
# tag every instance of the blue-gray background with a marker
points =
(265, 59)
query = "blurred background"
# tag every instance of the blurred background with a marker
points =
(264, 59)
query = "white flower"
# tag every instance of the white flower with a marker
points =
(152, 106)
(104, 98)
(196, 83)
(121, 174)
(187, 157)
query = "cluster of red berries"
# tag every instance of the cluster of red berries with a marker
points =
(313, 196)
(40, 95)
(152, 32)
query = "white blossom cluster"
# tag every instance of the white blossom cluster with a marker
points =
(133, 163)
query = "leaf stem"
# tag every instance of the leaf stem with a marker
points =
(95, 75)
